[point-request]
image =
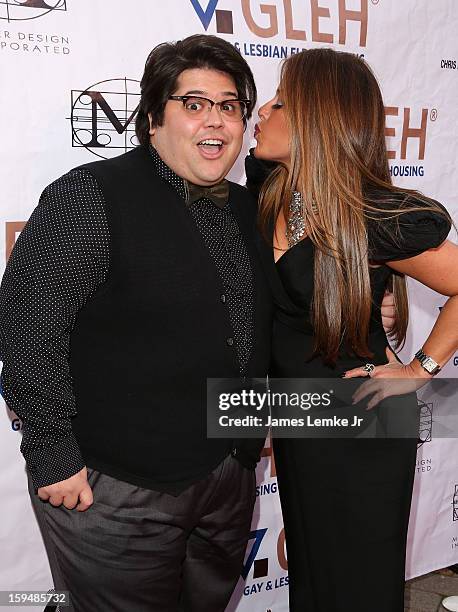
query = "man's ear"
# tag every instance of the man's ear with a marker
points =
(152, 129)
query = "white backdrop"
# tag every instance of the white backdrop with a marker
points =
(52, 51)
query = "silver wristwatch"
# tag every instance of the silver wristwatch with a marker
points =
(428, 363)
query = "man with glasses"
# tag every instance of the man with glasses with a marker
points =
(135, 280)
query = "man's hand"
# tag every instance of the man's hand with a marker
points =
(388, 312)
(69, 492)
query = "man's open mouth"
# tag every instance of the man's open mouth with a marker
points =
(211, 145)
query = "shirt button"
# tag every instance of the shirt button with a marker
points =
(223, 298)
(234, 452)
(229, 341)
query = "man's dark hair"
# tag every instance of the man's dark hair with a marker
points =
(167, 61)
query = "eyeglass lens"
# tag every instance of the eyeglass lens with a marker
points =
(233, 110)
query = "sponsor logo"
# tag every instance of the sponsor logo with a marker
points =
(266, 553)
(266, 488)
(455, 503)
(455, 361)
(206, 16)
(312, 22)
(424, 465)
(408, 138)
(102, 117)
(23, 10)
(16, 424)
(31, 43)
(447, 64)
(426, 423)
(12, 231)
(261, 564)
(34, 44)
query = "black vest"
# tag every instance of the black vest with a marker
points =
(146, 341)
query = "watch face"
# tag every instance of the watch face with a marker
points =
(430, 365)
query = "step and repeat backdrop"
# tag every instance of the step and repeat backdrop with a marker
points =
(70, 72)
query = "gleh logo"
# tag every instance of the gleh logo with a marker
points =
(261, 566)
(102, 118)
(408, 131)
(263, 20)
(426, 423)
(206, 16)
(23, 10)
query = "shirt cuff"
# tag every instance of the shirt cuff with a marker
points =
(51, 464)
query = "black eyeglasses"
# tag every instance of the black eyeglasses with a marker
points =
(198, 107)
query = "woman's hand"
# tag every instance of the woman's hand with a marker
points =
(388, 309)
(392, 378)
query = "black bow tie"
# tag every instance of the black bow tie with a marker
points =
(218, 194)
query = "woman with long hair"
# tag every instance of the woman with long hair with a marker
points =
(341, 233)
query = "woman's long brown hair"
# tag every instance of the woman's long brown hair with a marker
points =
(336, 121)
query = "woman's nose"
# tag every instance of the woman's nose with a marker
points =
(262, 111)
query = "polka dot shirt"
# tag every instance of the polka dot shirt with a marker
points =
(225, 243)
(59, 260)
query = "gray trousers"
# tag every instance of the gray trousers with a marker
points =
(137, 550)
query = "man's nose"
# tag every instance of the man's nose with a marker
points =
(214, 117)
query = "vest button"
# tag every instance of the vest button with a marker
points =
(229, 341)
(223, 298)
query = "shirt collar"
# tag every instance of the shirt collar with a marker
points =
(178, 183)
(187, 191)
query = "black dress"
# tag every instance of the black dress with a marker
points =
(345, 502)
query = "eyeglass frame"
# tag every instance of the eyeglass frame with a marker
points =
(247, 103)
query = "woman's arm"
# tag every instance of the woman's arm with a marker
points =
(437, 269)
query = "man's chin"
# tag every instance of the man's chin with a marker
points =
(211, 176)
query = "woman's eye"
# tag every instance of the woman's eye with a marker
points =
(277, 105)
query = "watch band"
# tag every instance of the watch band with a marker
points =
(427, 363)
